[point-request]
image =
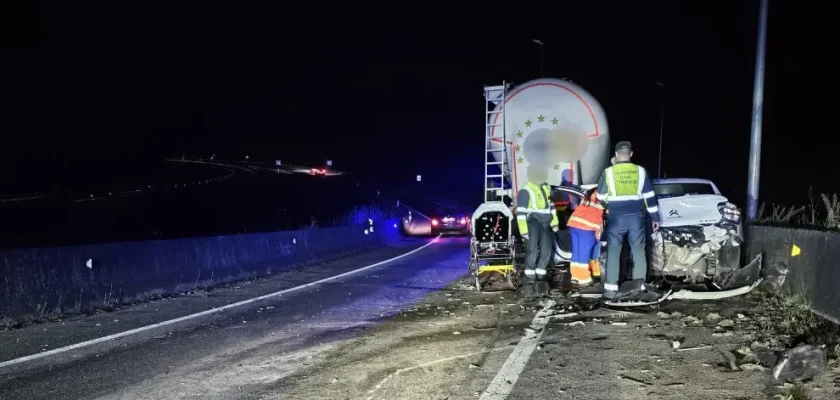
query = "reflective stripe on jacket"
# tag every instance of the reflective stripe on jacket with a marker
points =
(626, 189)
(532, 201)
(588, 216)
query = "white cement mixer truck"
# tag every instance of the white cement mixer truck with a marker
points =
(548, 130)
(553, 130)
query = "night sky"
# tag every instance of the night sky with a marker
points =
(394, 91)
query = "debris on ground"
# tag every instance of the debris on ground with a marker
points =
(727, 323)
(774, 277)
(762, 334)
(800, 363)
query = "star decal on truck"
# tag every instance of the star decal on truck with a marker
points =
(517, 145)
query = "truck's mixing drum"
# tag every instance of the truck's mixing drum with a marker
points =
(551, 124)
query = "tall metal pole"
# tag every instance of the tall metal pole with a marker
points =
(758, 108)
(542, 58)
(661, 126)
(539, 42)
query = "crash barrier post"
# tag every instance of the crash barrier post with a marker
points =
(52, 281)
(801, 261)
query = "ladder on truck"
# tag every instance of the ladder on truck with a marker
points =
(495, 171)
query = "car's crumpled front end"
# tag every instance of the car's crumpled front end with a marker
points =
(704, 246)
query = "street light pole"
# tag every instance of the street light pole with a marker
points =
(757, 111)
(661, 126)
(539, 42)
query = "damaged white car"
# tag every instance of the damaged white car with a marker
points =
(699, 241)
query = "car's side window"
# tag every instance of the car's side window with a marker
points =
(572, 197)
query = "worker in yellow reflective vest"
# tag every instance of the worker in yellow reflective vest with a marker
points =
(537, 221)
(627, 193)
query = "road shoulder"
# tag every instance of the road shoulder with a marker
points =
(437, 349)
(454, 343)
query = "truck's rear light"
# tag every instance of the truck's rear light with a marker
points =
(463, 221)
(435, 222)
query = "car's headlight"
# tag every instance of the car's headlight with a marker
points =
(729, 212)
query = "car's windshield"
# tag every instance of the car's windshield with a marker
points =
(682, 189)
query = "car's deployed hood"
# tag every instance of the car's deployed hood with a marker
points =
(690, 210)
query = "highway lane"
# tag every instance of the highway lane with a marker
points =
(238, 352)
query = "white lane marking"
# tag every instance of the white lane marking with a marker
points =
(503, 383)
(207, 312)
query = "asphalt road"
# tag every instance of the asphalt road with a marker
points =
(232, 353)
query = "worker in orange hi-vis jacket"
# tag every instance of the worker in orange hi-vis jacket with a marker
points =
(585, 226)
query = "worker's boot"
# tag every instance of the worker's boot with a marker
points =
(637, 290)
(542, 288)
(529, 288)
(580, 274)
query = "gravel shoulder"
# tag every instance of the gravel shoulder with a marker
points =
(686, 350)
(447, 346)
(453, 344)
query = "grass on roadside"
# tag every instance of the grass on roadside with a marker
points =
(789, 322)
(6, 322)
(822, 213)
(793, 392)
(794, 322)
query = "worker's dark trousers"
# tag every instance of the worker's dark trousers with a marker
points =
(540, 248)
(619, 226)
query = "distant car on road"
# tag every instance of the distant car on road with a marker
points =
(450, 220)
(318, 171)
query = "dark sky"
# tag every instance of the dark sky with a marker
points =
(397, 90)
